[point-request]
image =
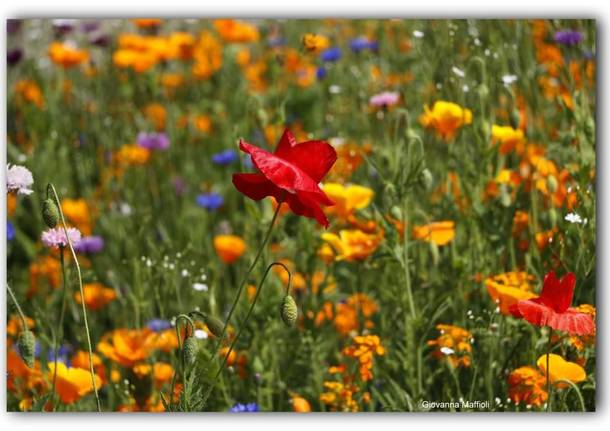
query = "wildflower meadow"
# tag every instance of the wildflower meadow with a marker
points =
(262, 215)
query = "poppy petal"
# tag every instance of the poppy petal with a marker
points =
(287, 141)
(315, 158)
(256, 186)
(558, 294)
(571, 321)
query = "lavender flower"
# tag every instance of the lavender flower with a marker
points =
(362, 43)
(55, 238)
(10, 231)
(153, 141)
(385, 99)
(225, 157)
(568, 37)
(179, 185)
(19, 179)
(244, 408)
(210, 201)
(90, 245)
(158, 325)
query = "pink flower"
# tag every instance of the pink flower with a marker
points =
(55, 238)
(387, 98)
(19, 179)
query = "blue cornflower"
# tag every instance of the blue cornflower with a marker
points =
(10, 231)
(244, 408)
(158, 325)
(321, 73)
(225, 157)
(63, 354)
(331, 54)
(210, 201)
(361, 43)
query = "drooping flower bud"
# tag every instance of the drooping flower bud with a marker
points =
(288, 311)
(27, 347)
(50, 213)
(215, 325)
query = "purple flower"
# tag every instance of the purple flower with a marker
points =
(225, 157)
(568, 37)
(158, 325)
(13, 25)
(13, 56)
(100, 39)
(179, 185)
(90, 245)
(361, 43)
(321, 73)
(275, 42)
(63, 354)
(10, 231)
(331, 54)
(244, 408)
(19, 179)
(153, 141)
(210, 201)
(89, 26)
(63, 26)
(55, 238)
(387, 98)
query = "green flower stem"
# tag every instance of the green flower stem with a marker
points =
(24, 322)
(182, 359)
(549, 388)
(51, 188)
(59, 333)
(245, 322)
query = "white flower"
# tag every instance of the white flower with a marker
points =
(19, 179)
(447, 351)
(334, 89)
(509, 79)
(573, 218)
(459, 72)
(200, 334)
(200, 287)
(418, 34)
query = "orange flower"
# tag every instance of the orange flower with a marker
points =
(229, 248)
(454, 343)
(77, 212)
(315, 42)
(30, 92)
(163, 373)
(203, 123)
(14, 325)
(300, 404)
(445, 118)
(96, 295)
(166, 341)
(67, 56)
(127, 347)
(508, 137)
(132, 155)
(47, 268)
(81, 360)
(339, 397)
(348, 199)
(147, 22)
(440, 233)
(207, 54)
(545, 238)
(72, 383)
(527, 385)
(156, 113)
(363, 350)
(346, 314)
(233, 31)
(508, 288)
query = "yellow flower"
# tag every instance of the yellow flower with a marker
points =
(353, 245)
(72, 383)
(508, 288)
(132, 155)
(508, 137)
(77, 212)
(560, 369)
(363, 350)
(229, 248)
(315, 42)
(127, 347)
(348, 198)
(446, 118)
(207, 54)
(300, 404)
(440, 232)
(234, 31)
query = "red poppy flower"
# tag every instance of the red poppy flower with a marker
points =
(291, 175)
(552, 307)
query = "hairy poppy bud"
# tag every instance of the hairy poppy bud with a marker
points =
(27, 347)
(396, 212)
(289, 311)
(215, 325)
(551, 183)
(50, 213)
(190, 350)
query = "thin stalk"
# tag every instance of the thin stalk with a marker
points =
(182, 358)
(60, 324)
(24, 323)
(82, 293)
(548, 371)
(405, 245)
(244, 324)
